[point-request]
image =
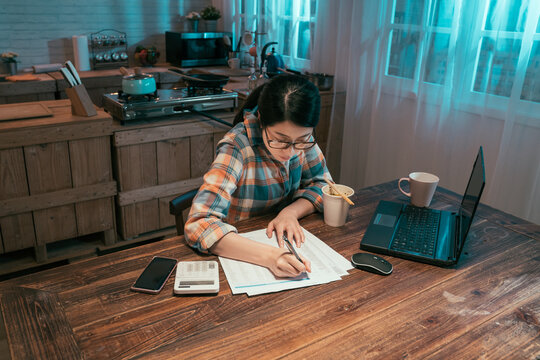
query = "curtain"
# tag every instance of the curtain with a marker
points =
(427, 83)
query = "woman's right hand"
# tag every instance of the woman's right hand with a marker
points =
(285, 264)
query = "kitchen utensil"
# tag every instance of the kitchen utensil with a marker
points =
(69, 78)
(23, 111)
(273, 61)
(38, 69)
(124, 71)
(73, 72)
(138, 84)
(202, 80)
(22, 77)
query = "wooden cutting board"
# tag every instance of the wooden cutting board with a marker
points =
(23, 111)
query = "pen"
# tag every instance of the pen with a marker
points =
(291, 249)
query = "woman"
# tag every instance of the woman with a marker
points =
(268, 162)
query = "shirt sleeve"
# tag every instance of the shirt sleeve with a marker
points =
(205, 225)
(314, 171)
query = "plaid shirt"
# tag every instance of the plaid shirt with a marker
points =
(245, 180)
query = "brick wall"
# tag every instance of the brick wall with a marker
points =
(40, 31)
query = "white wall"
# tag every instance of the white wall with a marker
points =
(40, 31)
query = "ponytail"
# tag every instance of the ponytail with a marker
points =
(250, 103)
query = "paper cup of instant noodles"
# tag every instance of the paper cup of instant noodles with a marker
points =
(335, 207)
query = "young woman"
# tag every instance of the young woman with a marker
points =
(268, 162)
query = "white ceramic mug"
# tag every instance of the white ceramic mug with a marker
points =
(422, 187)
(335, 207)
(234, 63)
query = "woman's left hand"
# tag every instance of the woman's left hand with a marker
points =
(286, 223)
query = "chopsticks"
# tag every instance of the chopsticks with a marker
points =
(335, 189)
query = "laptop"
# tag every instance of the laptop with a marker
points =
(426, 235)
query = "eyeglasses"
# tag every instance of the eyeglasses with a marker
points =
(298, 145)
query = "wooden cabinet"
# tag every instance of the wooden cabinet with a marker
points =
(25, 91)
(56, 178)
(155, 162)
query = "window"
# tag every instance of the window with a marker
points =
(503, 37)
(509, 35)
(417, 25)
(289, 22)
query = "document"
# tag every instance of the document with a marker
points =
(326, 265)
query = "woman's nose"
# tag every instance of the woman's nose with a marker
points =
(289, 151)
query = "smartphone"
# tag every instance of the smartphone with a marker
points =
(155, 275)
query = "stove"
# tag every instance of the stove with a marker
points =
(167, 102)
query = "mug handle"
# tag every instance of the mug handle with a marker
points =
(408, 194)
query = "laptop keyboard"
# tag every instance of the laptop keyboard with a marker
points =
(417, 231)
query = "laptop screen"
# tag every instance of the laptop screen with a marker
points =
(471, 198)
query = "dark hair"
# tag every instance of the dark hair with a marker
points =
(285, 97)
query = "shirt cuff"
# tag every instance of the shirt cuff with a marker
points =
(204, 233)
(312, 194)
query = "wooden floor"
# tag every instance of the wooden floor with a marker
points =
(488, 306)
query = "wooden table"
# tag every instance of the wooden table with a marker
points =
(488, 306)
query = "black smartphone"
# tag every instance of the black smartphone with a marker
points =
(155, 275)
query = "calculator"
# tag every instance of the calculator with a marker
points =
(196, 277)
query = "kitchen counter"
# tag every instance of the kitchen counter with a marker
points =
(57, 182)
(99, 82)
(24, 91)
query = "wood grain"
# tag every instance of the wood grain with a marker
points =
(94, 216)
(139, 218)
(47, 166)
(61, 127)
(136, 166)
(23, 111)
(44, 321)
(165, 218)
(202, 154)
(90, 161)
(57, 198)
(173, 160)
(165, 132)
(17, 231)
(486, 306)
(12, 174)
(154, 192)
(56, 223)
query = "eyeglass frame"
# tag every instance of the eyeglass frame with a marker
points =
(289, 143)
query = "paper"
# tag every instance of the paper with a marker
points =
(80, 52)
(326, 265)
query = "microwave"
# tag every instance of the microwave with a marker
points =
(196, 49)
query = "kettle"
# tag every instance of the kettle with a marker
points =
(273, 60)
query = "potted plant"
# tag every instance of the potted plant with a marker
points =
(194, 17)
(10, 59)
(210, 14)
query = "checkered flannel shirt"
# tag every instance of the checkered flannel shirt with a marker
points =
(245, 180)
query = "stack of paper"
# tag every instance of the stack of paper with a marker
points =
(326, 265)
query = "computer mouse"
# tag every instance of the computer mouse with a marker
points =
(371, 263)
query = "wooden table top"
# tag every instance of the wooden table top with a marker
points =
(488, 306)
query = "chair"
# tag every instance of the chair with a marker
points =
(177, 207)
